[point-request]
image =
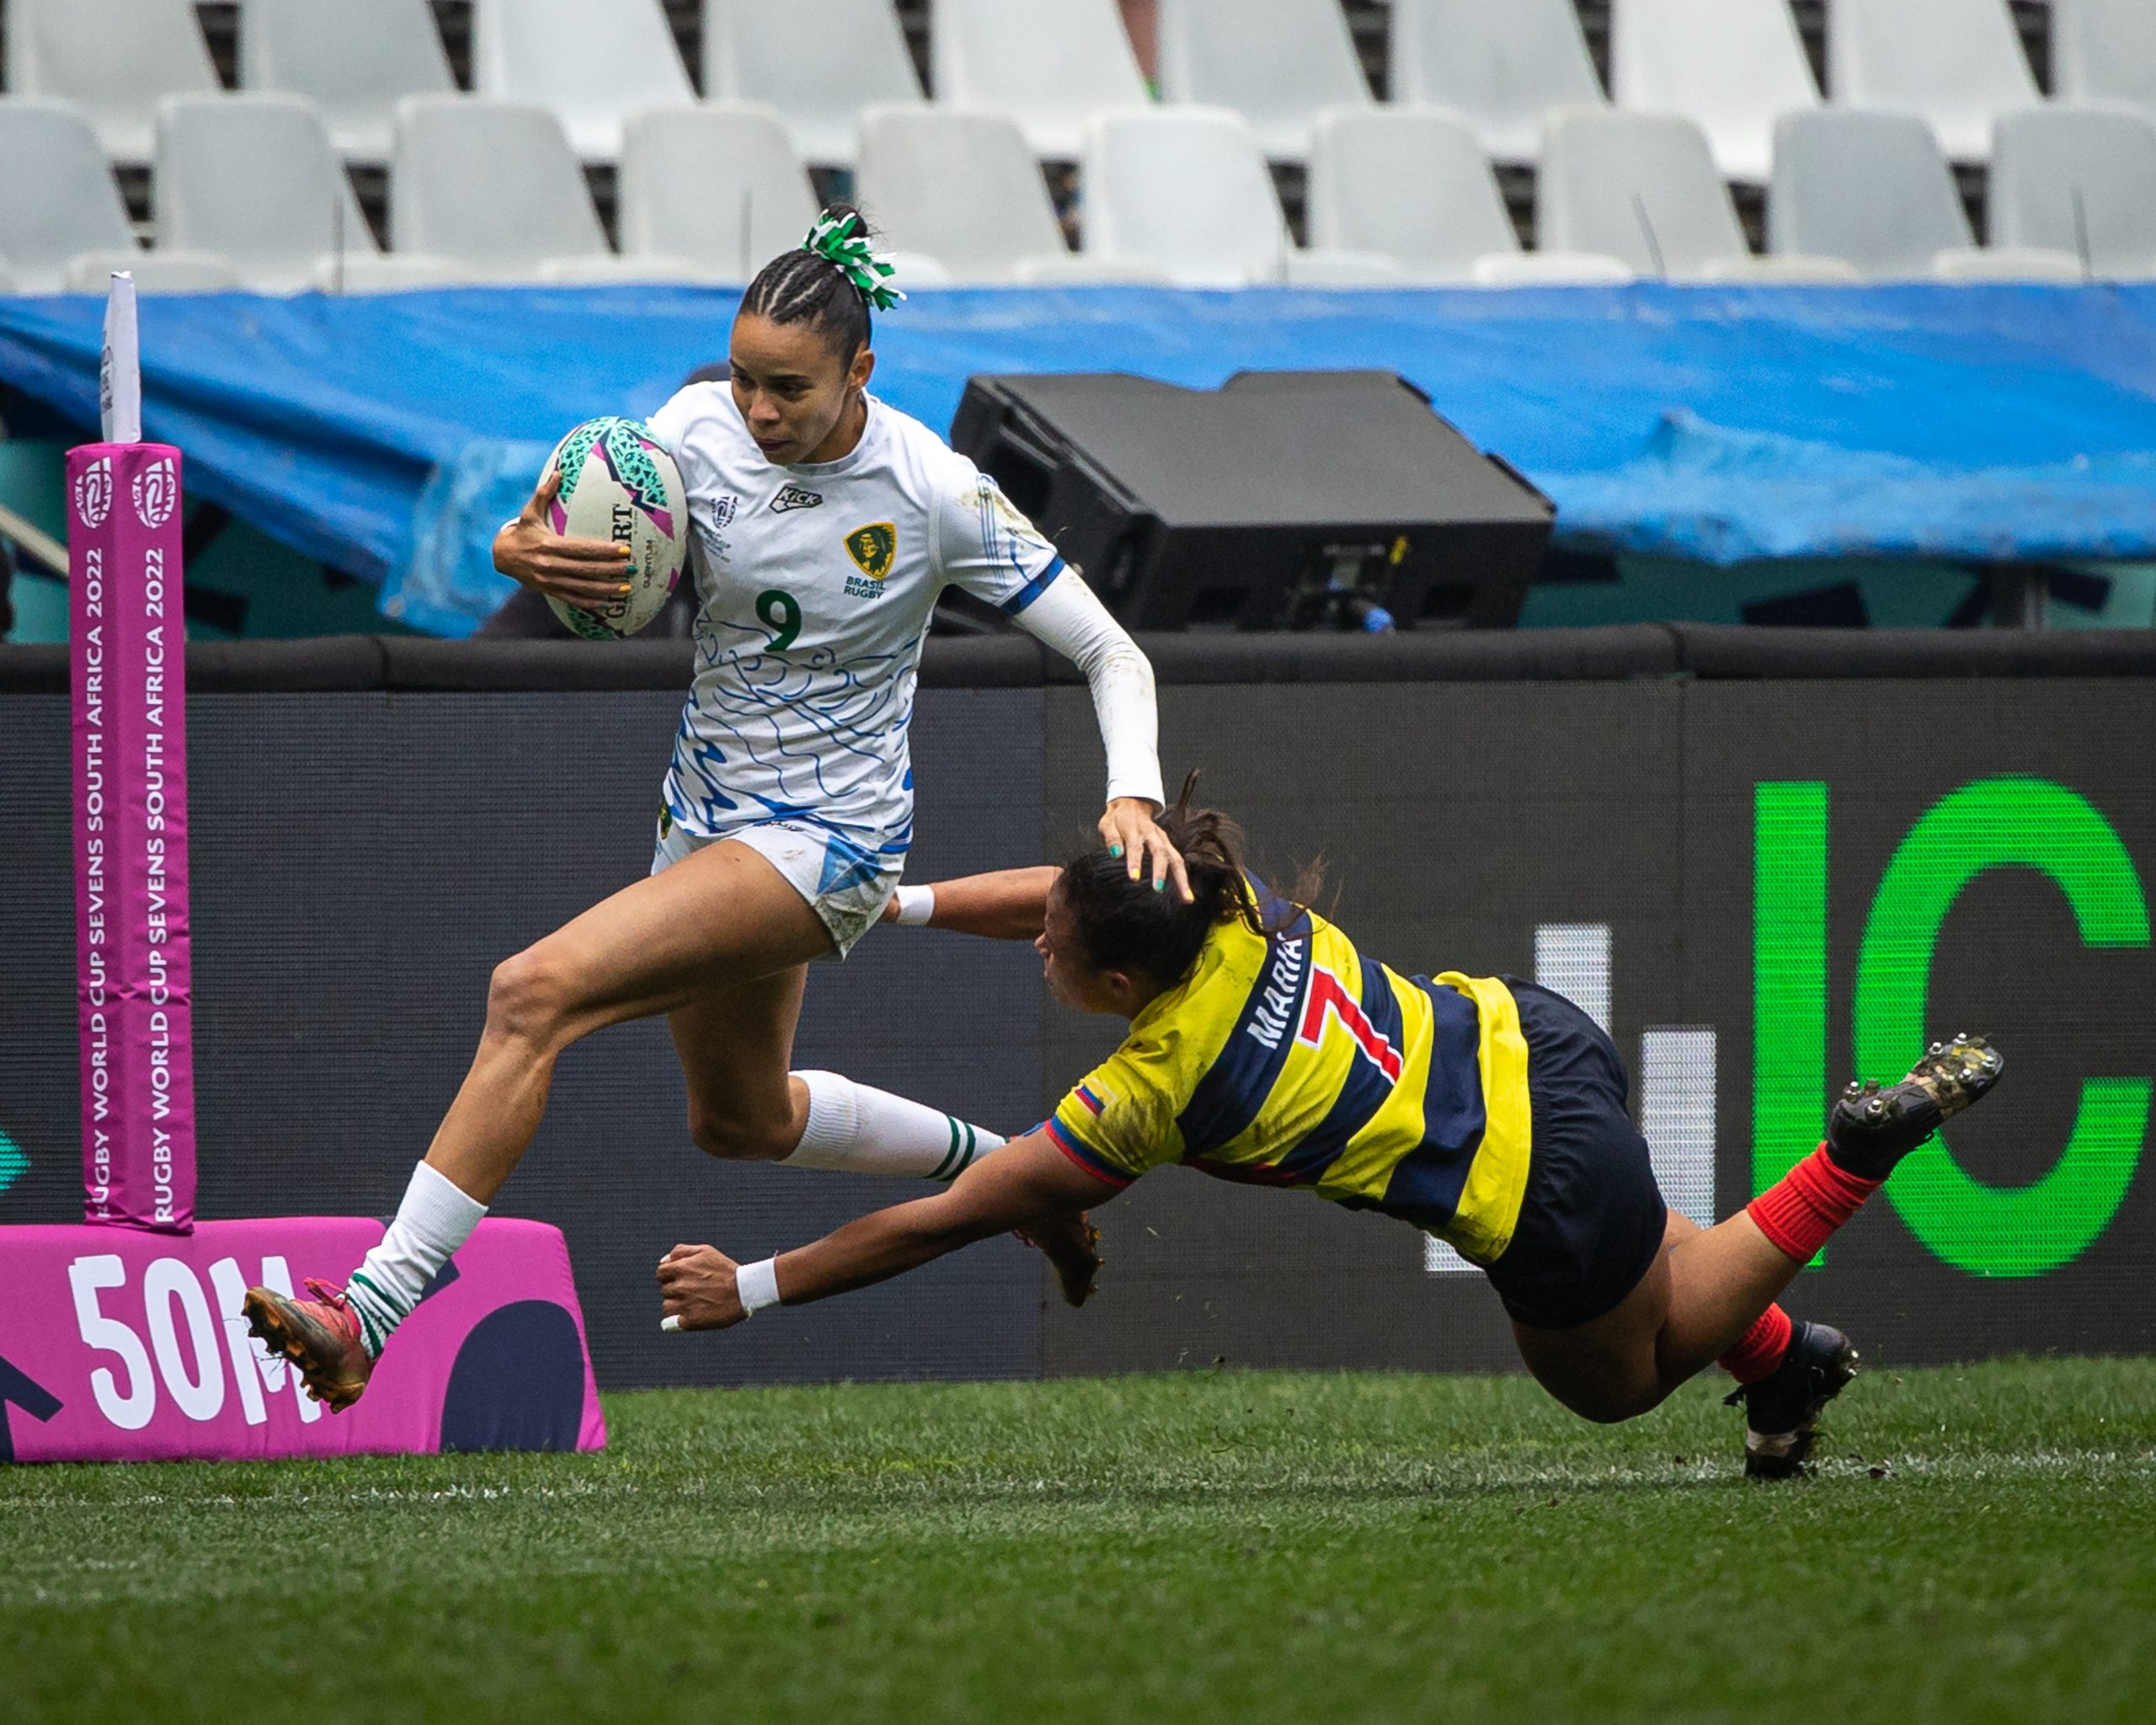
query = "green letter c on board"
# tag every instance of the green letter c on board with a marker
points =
(2001, 823)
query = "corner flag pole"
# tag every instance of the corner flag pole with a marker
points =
(127, 649)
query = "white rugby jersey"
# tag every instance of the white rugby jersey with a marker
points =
(814, 584)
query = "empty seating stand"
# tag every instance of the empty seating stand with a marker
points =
(1734, 66)
(1276, 65)
(1413, 185)
(494, 188)
(1187, 189)
(1051, 64)
(2080, 181)
(354, 62)
(114, 59)
(715, 186)
(254, 177)
(1874, 190)
(2104, 50)
(1503, 65)
(1643, 189)
(963, 188)
(819, 62)
(1958, 63)
(592, 62)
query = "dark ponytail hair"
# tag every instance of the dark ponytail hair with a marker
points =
(1124, 925)
(802, 287)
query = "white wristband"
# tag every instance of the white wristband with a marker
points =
(757, 1285)
(916, 905)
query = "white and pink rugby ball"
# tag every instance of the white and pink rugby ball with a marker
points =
(619, 483)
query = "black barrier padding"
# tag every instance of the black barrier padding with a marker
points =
(1014, 660)
(1427, 655)
(2010, 963)
(361, 862)
(1731, 650)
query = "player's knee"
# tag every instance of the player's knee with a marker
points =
(1616, 1403)
(527, 997)
(734, 1137)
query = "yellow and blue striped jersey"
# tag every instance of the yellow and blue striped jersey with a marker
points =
(1290, 1059)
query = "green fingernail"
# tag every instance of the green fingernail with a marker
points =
(1115, 850)
(1160, 886)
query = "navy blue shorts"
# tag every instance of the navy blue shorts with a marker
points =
(1592, 1219)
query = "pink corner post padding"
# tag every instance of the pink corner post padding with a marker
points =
(121, 1345)
(127, 640)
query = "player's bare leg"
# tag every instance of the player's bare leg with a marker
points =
(1708, 1287)
(723, 916)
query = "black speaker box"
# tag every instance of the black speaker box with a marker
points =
(1281, 499)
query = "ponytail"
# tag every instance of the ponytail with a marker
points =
(831, 279)
(1124, 925)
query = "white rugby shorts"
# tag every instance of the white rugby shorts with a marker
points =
(846, 887)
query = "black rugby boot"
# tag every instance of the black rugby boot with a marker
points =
(1781, 1412)
(1871, 1129)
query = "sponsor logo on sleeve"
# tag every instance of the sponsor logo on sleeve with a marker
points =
(871, 548)
(791, 497)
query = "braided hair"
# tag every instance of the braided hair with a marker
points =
(828, 281)
(1124, 925)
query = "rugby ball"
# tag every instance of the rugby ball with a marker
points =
(619, 483)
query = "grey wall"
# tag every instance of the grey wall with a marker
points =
(362, 859)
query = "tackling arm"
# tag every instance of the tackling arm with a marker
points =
(1009, 904)
(1023, 1184)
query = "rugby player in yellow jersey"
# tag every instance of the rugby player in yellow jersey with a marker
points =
(1489, 1112)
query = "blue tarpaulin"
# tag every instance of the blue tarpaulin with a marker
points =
(389, 434)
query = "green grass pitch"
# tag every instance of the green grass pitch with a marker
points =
(1978, 1545)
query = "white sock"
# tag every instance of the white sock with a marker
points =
(435, 1218)
(873, 1132)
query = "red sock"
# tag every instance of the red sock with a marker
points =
(1806, 1205)
(1759, 1352)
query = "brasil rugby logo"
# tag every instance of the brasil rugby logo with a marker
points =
(872, 547)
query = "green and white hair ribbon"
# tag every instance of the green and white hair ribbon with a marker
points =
(843, 240)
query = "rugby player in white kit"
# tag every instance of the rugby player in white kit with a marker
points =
(826, 523)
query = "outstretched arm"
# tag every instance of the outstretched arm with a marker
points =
(1009, 904)
(1025, 1184)
(1070, 618)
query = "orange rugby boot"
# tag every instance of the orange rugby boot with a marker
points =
(319, 1334)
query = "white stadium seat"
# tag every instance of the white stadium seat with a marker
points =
(1276, 65)
(58, 197)
(254, 177)
(593, 62)
(114, 58)
(1187, 190)
(353, 62)
(820, 62)
(1049, 63)
(1874, 188)
(491, 185)
(1732, 65)
(2104, 50)
(962, 187)
(2081, 181)
(1410, 184)
(1503, 66)
(1641, 187)
(715, 184)
(1958, 63)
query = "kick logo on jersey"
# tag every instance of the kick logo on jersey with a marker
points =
(793, 497)
(871, 548)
